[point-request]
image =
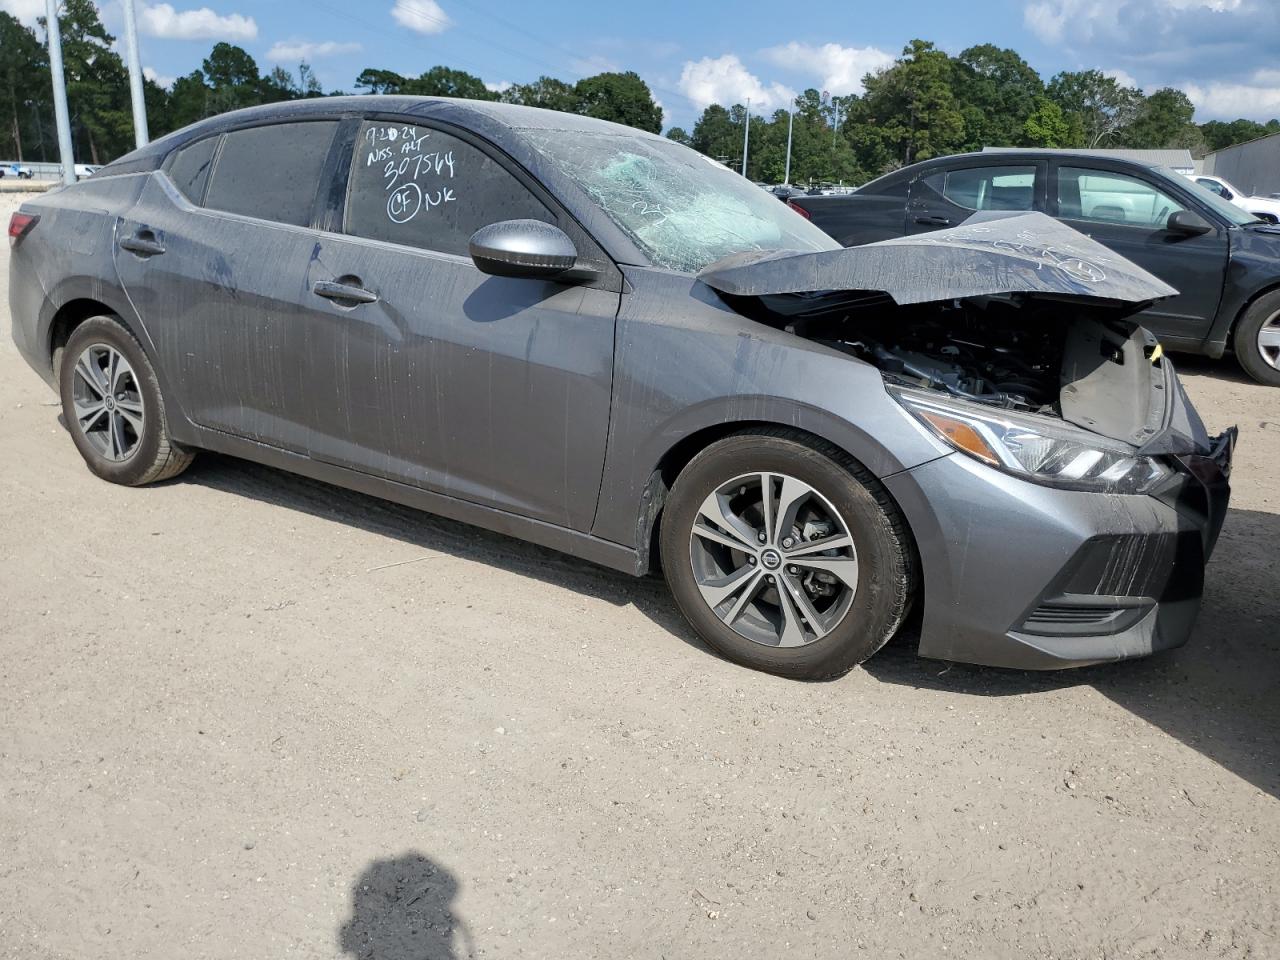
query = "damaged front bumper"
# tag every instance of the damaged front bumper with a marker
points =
(1066, 578)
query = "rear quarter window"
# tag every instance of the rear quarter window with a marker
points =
(271, 173)
(189, 168)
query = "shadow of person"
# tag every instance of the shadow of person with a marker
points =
(402, 909)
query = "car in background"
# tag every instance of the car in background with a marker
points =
(1224, 262)
(785, 191)
(86, 170)
(1264, 208)
(598, 340)
(15, 170)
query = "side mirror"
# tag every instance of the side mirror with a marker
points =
(1188, 223)
(523, 248)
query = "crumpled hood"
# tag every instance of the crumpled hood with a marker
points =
(990, 253)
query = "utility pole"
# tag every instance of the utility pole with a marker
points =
(791, 116)
(746, 137)
(135, 75)
(59, 92)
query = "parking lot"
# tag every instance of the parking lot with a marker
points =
(243, 714)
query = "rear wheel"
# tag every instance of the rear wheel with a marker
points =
(785, 555)
(112, 406)
(1257, 340)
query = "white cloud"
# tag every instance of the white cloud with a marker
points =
(1080, 20)
(25, 10)
(1122, 77)
(1256, 96)
(158, 78)
(498, 86)
(725, 80)
(422, 16)
(162, 20)
(839, 69)
(307, 50)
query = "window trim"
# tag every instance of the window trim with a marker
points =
(172, 157)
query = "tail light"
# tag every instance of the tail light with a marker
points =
(20, 225)
(799, 209)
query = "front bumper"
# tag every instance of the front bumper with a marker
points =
(1027, 576)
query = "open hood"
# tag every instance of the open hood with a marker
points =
(991, 253)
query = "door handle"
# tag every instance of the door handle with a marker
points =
(351, 293)
(143, 243)
(932, 221)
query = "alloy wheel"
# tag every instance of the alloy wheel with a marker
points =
(774, 560)
(108, 402)
(1269, 340)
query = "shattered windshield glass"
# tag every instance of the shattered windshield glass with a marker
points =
(684, 210)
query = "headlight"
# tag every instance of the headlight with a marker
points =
(1034, 447)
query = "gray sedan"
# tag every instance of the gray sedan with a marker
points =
(600, 341)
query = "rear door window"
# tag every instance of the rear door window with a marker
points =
(991, 188)
(421, 187)
(271, 173)
(189, 168)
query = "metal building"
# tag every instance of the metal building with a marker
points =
(1254, 167)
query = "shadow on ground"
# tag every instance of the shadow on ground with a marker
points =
(1220, 694)
(402, 909)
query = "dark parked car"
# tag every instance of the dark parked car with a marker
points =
(598, 340)
(1224, 262)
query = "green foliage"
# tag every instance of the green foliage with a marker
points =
(1099, 104)
(1046, 126)
(621, 97)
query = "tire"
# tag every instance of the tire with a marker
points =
(731, 476)
(1261, 319)
(127, 440)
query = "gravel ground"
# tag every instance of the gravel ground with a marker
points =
(247, 715)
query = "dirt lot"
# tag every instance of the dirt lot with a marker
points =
(248, 715)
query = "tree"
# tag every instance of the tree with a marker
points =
(1047, 127)
(1102, 107)
(380, 81)
(447, 82)
(1164, 120)
(1219, 134)
(189, 100)
(232, 77)
(997, 91)
(716, 134)
(546, 92)
(911, 105)
(23, 69)
(679, 135)
(621, 97)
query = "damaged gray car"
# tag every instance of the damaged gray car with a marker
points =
(600, 341)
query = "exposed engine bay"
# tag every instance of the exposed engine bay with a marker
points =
(1007, 351)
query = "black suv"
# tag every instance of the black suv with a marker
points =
(1224, 262)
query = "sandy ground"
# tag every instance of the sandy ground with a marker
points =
(232, 726)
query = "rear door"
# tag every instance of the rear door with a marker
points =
(1129, 213)
(945, 196)
(493, 390)
(212, 257)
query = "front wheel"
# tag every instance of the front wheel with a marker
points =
(785, 555)
(1257, 340)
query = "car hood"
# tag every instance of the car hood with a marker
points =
(988, 254)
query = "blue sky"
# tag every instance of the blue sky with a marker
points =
(692, 52)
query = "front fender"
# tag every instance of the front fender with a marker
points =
(687, 365)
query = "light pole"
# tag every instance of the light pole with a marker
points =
(791, 116)
(135, 76)
(59, 92)
(746, 137)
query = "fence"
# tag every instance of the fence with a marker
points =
(39, 171)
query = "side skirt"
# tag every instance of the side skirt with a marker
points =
(580, 545)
